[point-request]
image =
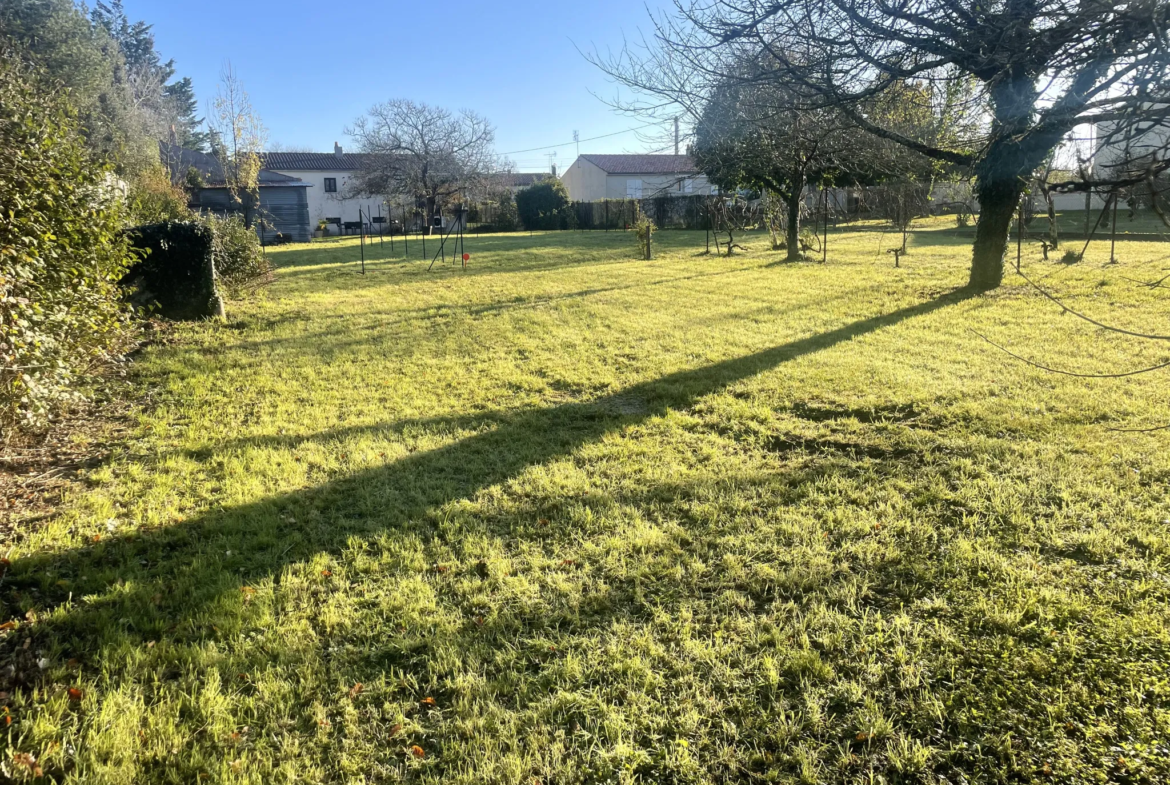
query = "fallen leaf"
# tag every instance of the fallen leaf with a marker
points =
(356, 690)
(396, 729)
(441, 568)
(568, 562)
(97, 538)
(863, 736)
(8, 625)
(427, 701)
(327, 573)
(75, 694)
(417, 751)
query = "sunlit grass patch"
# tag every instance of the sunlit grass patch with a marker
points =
(566, 516)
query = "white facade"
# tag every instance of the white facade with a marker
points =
(588, 182)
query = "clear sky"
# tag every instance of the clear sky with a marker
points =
(312, 67)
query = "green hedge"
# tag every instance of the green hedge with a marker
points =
(176, 275)
(61, 252)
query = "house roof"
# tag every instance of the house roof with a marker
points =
(316, 162)
(521, 179)
(643, 164)
(180, 160)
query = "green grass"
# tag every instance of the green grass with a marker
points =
(568, 517)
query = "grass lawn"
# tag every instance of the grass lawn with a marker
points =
(569, 517)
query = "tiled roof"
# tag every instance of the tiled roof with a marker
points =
(521, 179)
(180, 160)
(643, 164)
(316, 162)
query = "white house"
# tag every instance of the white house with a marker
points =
(592, 178)
(329, 175)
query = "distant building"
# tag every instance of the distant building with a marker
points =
(329, 174)
(592, 178)
(283, 199)
(518, 181)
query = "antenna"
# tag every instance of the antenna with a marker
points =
(577, 141)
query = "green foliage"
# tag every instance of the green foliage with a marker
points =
(239, 258)
(542, 206)
(154, 198)
(644, 230)
(61, 253)
(176, 274)
(507, 217)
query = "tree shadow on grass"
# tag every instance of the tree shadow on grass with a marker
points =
(177, 584)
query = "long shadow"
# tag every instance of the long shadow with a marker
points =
(169, 584)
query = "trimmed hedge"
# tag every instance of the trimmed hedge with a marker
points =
(176, 275)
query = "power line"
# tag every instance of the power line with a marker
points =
(576, 141)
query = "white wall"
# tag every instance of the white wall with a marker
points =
(326, 205)
(585, 181)
(617, 186)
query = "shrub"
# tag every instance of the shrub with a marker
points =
(155, 199)
(507, 217)
(239, 258)
(176, 274)
(644, 230)
(540, 206)
(61, 252)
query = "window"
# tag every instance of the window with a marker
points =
(330, 185)
(633, 189)
(689, 186)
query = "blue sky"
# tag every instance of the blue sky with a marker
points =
(312, 67)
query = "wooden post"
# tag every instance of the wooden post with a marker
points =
(405, 235)
(1019, 232)
(362, 239)
(1113, 237)
(825, 240)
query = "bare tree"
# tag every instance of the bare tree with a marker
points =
(749, 135)
(1043, 67)
(422, 152)
(238, 140)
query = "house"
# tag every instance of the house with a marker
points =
(284, 201)
(592, 178)
(329, 174)
(518, 181)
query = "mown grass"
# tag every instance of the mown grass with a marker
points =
(568, 517)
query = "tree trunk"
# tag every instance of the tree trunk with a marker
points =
(1053, 230)
(792, 199)
(997, 206)
(430, 216)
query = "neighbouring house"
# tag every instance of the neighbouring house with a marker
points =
(284, 201)
(518, 181)
(331, 199)
(592, 178)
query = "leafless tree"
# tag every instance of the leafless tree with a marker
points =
(239, 137)
(1043, 67)
(422, 152)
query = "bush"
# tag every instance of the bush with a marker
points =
(61, 252)
(540, 206)
(155, 199)
(239, 258)
(644, 230)
(176, 274)
(507, 217)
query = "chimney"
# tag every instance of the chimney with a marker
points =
(337, 149)
(554, 170)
